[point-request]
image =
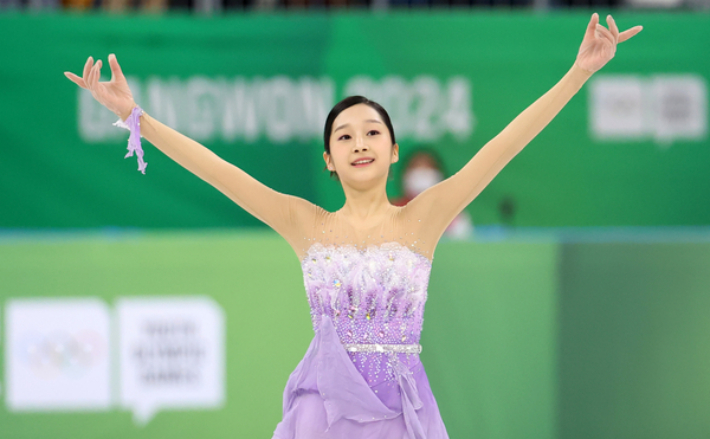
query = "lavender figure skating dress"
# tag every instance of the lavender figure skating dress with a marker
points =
(361, 376)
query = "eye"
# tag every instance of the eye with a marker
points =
(373, 131)
(344, 135)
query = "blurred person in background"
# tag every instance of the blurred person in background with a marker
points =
(422, 170)
(458, 3)
(311, 4)
(30, 4)
(78, 4)
(116, 6)
(151, 6)
(584, 3)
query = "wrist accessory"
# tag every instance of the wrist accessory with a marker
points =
(133, 124)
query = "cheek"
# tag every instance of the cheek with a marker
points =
(338, 159)
(386, 149)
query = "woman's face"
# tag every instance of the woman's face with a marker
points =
(359, 133)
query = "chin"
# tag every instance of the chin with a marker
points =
(369, 177)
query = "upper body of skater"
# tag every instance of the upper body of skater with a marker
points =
(361, 131)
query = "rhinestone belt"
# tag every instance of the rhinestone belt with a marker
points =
(375, 347)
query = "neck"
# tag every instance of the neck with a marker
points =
(364, 204)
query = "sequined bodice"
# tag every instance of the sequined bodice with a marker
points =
(372, 295)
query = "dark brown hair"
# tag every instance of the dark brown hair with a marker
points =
(345, 104)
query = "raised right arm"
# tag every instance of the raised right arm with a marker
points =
(288, 215)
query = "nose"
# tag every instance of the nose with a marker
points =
(359, 144)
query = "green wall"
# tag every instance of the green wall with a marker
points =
(489, 339)
(564, 333)
(634, 345)
(523, 337)
(256, 89)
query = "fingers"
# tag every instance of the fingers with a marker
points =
(90, 77)
(116, 72)
(612, 27)
(625, 35)
(605, 33)
(97, 75)
(614, 31)
(75, 79)
(87, 70)
(592, 24)
(94, 75)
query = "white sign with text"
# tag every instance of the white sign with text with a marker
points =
(171, 352)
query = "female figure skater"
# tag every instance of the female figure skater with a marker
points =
(365, 267)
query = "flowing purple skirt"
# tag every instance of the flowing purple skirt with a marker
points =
(333, 394)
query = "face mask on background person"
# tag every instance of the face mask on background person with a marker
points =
(417, 180)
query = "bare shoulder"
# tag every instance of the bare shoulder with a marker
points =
(304, 216)
(422, 208)
(303, 212)
(427, 216)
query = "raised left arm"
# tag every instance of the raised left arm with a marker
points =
(442, 202)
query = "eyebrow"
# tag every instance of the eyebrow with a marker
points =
(368, 120)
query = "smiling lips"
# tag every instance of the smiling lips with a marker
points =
(363, 162)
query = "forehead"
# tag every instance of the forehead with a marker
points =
(357, 114)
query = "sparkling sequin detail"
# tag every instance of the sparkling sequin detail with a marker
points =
(375, 347)
(374, 296)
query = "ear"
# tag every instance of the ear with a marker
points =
(326, 157)
(395, 153)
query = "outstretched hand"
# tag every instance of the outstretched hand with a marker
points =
(599, 44)
(114, 94)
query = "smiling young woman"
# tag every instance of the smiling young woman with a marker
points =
(365, 267)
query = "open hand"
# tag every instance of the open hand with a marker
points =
(115, 94)
(599, 44)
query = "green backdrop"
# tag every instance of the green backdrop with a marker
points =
(563, 337)
(523, 338)
(256, 88)
(634, 345)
